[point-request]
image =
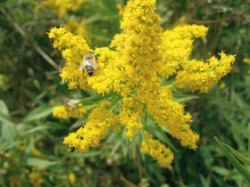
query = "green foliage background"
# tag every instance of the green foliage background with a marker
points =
(30, 87)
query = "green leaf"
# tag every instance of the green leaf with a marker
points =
(234, 161)
(3, 108)
(221, 171)
(25, 182)
(8, 4)
(115, 148)
(38, 113)
(94, 99)
(184, 98)
(235, 128)
(4, 118)
(40, 163)
(7, 128)
(237, 154)
(38, 128)
(159, 132)
(6, 144)
(164, 138)
(90, 153)
(205, 182)
(78, 124)
(29, 146)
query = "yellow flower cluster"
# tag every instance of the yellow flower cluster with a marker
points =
(163, 155)
(35, 178)
(77, 27)
(100, 119)
(246, 60)
(133, 67)
(10, 160)
(62, 7)
(73, 49)
(171, 115)
(199, 76)
(130, 115)
(120, 9)
(178, 45)
(66, 111)
(72, 178)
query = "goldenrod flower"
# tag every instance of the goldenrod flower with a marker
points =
(200, 76)
(6, 165)
(132, 68)
(100, 119)
(72, 178)
(62, 7)
(120, 9)
(177, 45)
(222, 85)
(163, 155)
(130, 115)
(15, 180)
(246, 60)
(77, 27)
(35, 178)
(66, 112)
(35, 152)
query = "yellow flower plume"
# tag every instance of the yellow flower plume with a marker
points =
(73, 49)
(62, 7)
(163, 155)
(132, 68)
(95, 130)
(67, 111)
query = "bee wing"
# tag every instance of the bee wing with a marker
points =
(94, 64)
(81, 67)
(73, 103)
(90, 63)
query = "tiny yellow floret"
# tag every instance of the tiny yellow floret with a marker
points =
(72, 178)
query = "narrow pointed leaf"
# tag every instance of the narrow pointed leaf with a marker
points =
(234, 161)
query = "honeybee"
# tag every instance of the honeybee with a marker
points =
(89, 63)
(73, 103)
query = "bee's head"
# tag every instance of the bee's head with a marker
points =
(89, 56)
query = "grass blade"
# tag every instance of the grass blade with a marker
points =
(234, 161)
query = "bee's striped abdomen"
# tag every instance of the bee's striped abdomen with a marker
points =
(89, 70)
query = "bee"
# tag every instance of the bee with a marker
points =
(73, 103)
(89, 63)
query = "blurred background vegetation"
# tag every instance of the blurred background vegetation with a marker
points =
(31, 149)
